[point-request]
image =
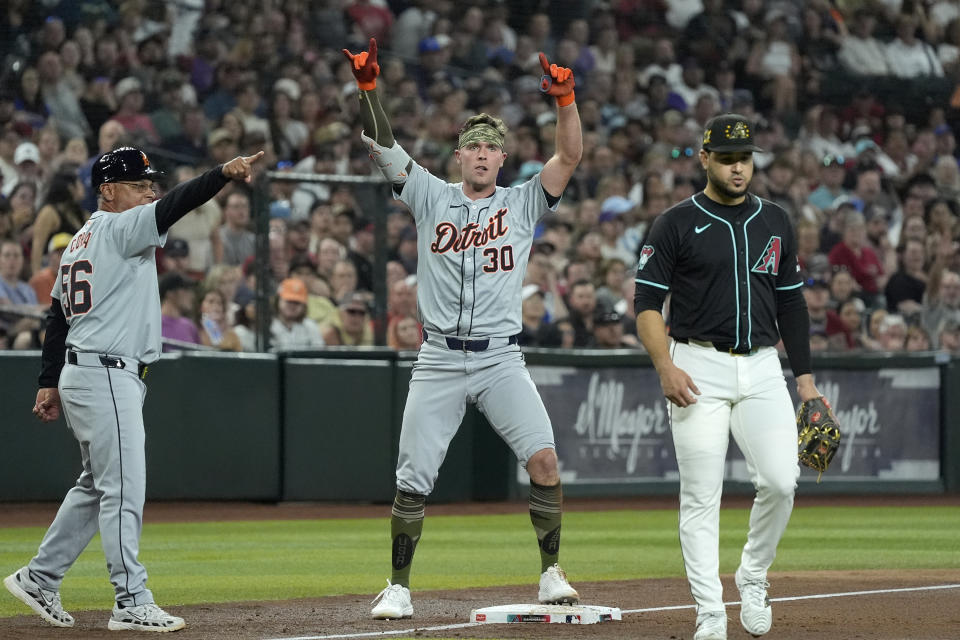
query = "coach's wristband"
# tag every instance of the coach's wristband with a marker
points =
(367, 86)
(563, 101)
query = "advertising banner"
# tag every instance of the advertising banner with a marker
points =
(612, 427)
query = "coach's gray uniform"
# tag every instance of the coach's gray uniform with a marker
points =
(470, 269)
(110, 297)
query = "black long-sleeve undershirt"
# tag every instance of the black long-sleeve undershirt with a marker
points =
(187, 196)
(54, 346)
(793, 322)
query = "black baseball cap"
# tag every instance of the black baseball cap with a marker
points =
(125, 163)
(729, 133)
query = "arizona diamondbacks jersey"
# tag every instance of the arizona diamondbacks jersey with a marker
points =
(472, 253)
(108, 285)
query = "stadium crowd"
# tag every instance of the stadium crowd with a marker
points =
(855, 104)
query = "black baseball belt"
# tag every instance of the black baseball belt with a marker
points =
(103, 360)
(723, 348)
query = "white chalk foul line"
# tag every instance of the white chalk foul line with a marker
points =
(465, 625)
(810, 597)
(397, 632)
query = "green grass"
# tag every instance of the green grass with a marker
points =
(278, 560)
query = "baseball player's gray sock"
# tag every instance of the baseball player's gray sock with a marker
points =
(406, 523)
(546, 510)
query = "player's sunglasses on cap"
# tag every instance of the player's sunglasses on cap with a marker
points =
(729, 133)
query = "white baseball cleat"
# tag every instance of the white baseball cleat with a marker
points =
(45, 603)
(711, 626)
(755, 613)
(554, 588)
(394, 603)
(144, 617)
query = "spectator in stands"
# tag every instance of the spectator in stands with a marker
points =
(949, 338)
(845, 326)
(608, 330)
(917, 339)
(176, 307)
(130, 114)
(893, 333)
(909, 57)
(291, 329)
(26, 161)
(21, 216)
(60, 213)
(775, 63)
(942, 303)
(330, 253)
(832, 176)
(59, 98)
(176, 257)
(904, 290)
(13, 290)
(842, 286)
(361, 252)
(860, 52)
(406, 334)
(214, 329)
(581, 303)
(855, 254)
(352, 325)
(237, 242)
(407, 249)
(343, 280)
(532, 315)
(817, 296)
(42, 279)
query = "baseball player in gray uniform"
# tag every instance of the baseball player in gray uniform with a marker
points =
(473, 241)
(103, 330)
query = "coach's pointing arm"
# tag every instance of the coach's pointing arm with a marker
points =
(558, 82)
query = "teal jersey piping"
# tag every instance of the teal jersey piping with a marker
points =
(653, 284)
(746, 268)
(733, 241)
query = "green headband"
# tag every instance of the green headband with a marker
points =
(480, 133)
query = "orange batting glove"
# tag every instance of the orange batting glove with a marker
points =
(557, 82)
(364, 66)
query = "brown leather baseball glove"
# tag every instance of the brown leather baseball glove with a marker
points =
(819, 434)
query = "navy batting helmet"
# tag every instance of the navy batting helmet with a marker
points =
(125, 163)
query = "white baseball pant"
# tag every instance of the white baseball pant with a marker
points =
(745, 396)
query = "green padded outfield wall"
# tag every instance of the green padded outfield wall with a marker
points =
(212, 430)
(213, 427)
(338, 436)
(37, 461)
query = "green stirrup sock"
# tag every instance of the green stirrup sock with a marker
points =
(406, 523)
(546, 510)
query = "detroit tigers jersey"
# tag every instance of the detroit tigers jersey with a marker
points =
(723, 266)
(472, 254)
(108, 285)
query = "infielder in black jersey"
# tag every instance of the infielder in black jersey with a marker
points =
(729, 261)
(103, 329)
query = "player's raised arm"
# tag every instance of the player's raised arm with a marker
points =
(189, 195)
(365, 69)
(558, 82)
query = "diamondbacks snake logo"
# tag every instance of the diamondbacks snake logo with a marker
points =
(645, 254)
